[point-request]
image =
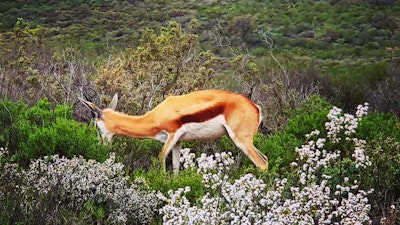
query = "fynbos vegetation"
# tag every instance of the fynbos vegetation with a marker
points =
(304, 63)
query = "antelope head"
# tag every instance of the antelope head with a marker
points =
(98, 116)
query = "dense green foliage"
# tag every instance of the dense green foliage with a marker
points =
(32, 132)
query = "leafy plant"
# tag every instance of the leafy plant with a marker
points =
(136, 154)
(308, 116)
(383, 146)
(10, 195)
(163, 182)
(31, 133)
(350, 83)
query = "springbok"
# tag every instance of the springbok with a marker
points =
(200, 115)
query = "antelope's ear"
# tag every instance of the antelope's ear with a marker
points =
(113, 103)
(96, 112)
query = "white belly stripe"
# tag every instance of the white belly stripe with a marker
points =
(210, 129)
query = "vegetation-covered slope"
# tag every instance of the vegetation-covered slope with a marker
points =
(296, 59)
(339, 45)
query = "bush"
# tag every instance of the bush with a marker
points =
(383, 140)
(40, 130)
(55, 189)
(308, 116)
(242, 26)
(10, 196)
(136, 154)
(385, 97)
(380, 126)
(383, 146)
(163, 182)
(279, 148)
(348, 84)
(9, 112)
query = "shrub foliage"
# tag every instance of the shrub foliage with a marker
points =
(32, 132)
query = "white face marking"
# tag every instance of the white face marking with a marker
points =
(210, 129)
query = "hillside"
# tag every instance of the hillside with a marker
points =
(338, 44)
(298, 60)
(311, 26)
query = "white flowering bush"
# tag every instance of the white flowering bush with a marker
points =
(57, 185)
(9, 176)
(315, 194)
(9, 189)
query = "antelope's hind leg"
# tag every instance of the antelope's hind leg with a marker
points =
(243, 139)
(259, 159)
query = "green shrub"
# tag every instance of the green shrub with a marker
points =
(163, 182)
(259, 51)
(382, 135)
(379, 126)
(136, 154)
(383, 147)
(279, 148)
(385, 171)
(30, 133)
(9, 112)
(10, 196)
(348, 84)
(310, 115)
(242, 25)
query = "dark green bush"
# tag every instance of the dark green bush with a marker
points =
(280, 147)
(136, 154)
(379, 126)
(309, 116)
(9, 112)
(29, 133)
(384, 174)
(242, 25)
(163, 182)
(10, 194)
(382, 133)
(348, 84)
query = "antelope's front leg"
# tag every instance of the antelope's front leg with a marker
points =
(169, 144)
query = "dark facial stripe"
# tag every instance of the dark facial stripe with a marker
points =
(96, 112)
(202, 115)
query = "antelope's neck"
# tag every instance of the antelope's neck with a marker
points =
(133, 126)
